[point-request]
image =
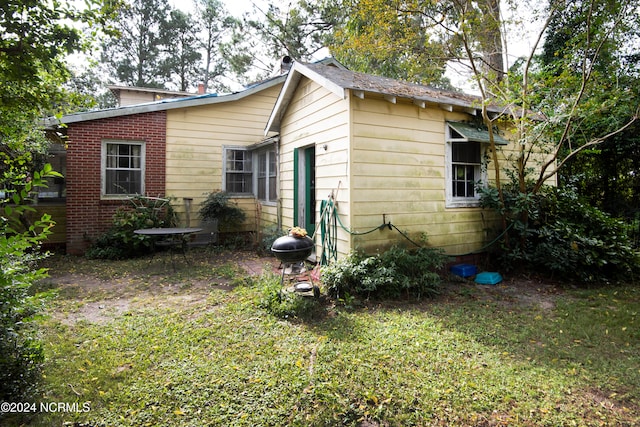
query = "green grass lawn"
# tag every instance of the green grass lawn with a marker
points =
(133, 343)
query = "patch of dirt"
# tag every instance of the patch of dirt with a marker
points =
(101, 300)
(512, 291)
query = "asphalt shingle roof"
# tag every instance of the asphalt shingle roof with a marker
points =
(387, 86)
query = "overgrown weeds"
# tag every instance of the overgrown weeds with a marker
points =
(393, 273)
(557, 232)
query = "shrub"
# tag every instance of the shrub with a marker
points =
(269, 235)
(120, 242)
(565, 236)
(217, 206)
(286, 305)
(393, 273)
(21, 353)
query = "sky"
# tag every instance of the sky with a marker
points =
(520, 36)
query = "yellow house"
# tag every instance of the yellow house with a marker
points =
(181, 148)
(364, 162)
(360, 161)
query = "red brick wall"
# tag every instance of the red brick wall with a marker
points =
(87, 215)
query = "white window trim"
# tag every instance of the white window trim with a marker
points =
(103, 168)
(254, 159)
(226, 148)
(254, 172)
(452, 202)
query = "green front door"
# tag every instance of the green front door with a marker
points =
(304, 185)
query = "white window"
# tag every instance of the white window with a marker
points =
(464, 169)
(122, 168)
(267, 175)
(238, 175)
(250, 172)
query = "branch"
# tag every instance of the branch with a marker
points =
(586, 76)
(591, 143)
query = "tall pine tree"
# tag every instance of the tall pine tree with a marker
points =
(215, 28)
(135, 55)
(182, 58)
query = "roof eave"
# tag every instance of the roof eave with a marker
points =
(165, 104)
(298, 70)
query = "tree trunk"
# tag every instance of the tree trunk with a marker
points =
(491, 40)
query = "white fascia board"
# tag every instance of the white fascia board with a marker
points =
(322, 81)
(284, 97)
(290, 85)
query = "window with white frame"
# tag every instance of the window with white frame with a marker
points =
(237, 171)
(122, 168)
(267, 176)
(251, 172)
(463, 169)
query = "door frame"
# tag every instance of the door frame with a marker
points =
(304, 192)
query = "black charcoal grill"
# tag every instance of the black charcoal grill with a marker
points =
(292, 251)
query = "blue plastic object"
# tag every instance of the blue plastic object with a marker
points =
(464, 270)
(488, 278)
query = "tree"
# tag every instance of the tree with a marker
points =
(562, 110)
(608, 173)
(580, 89)
(297, 31)
(32, 44)
(394, 39)
(36, 37)
(215, 24)
(182, 58)
(556, 110)
(135, 54)
(89, 85)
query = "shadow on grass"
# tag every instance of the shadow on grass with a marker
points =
(590, 337)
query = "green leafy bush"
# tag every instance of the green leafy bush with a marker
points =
(283, 304)
(218, 206)
(21, 353)
(565, 236)
(269, 235)
(393, 273)
(120, 242)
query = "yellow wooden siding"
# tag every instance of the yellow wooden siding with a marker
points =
(58, 212)
(316, 117)
(398, 173)
(195, 140)
(397, 168)
(128, 97)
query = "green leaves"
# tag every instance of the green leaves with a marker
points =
(564, 236)
(394, 39)
(392, 273)
(21, 353)
(218, 206)
(119, 242)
